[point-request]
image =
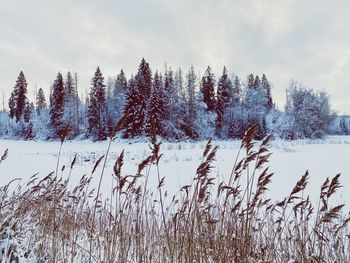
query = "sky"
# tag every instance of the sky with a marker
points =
(306, 41)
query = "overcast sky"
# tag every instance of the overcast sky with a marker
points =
(308, 41)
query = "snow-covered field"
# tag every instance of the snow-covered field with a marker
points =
(323, 158)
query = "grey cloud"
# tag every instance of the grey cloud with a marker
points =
(292, 39)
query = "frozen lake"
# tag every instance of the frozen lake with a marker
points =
(289, 160)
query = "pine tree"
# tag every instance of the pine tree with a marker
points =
(29, 108)
(219, 116)
(168, 79)
(57, 106)
(144, 83)
(40, 101)
(179, 83)
(18, 98)
(224, 99)
(71, 99)
(234, 114)
(207, 88)
(119, 95)
(116, 95)
(250, 82)
(137, 101)
(121, 83)
(266, 85)
(97, 117)
(130, 120)
(171, 93)
(155, 113)
(236, 97)
(69, 86)
(12, 104)
(191, 116)
(257, 82)
(174, 124)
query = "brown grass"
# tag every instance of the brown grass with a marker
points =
(207, 221)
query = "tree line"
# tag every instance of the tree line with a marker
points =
(172, 104)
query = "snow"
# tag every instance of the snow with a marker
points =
(289, 161)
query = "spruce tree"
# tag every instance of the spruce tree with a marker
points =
(171, 93)
(119, 95)
(266, 85)
(250, 82)
(170, 100)
(257, 82)
(12, 104)
(155, 112)
(57, 106)
(174, 124)
(139, 91)
(179, 83)
(97, 116)
(121, 83)
(236, 96)
(168, 80)
(130, 120)
(70, 103)
(207, 88)
(224, 99)
(144, 83)
(40, 101)
(116, 94)
(191, 116)
(18, 98)
(28, 111)
(219, 109)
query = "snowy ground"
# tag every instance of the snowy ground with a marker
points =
(323, 158)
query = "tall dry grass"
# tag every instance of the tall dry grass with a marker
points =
(47, 220)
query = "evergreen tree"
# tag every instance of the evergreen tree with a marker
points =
(144, 83)
(40, 101)
(174, 124)
(137, 101)
(255, 105)
(18, 98)
(97, 117)
(155, 114)
(235, 115)
(266, 85)
(109, 105)
(170, 102)
(250, 82)
(29, 108)
(170, 90)
(168, 80)
(224, 99)
(179, 83)
(207, 88)
(191, 116)
(57, 106)
(219, 109)
(69, 86)
(257, 82)
(119, 96)
(130, 120)
(236, 96)
(71, 100)
(121, 83)
(116, 95)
